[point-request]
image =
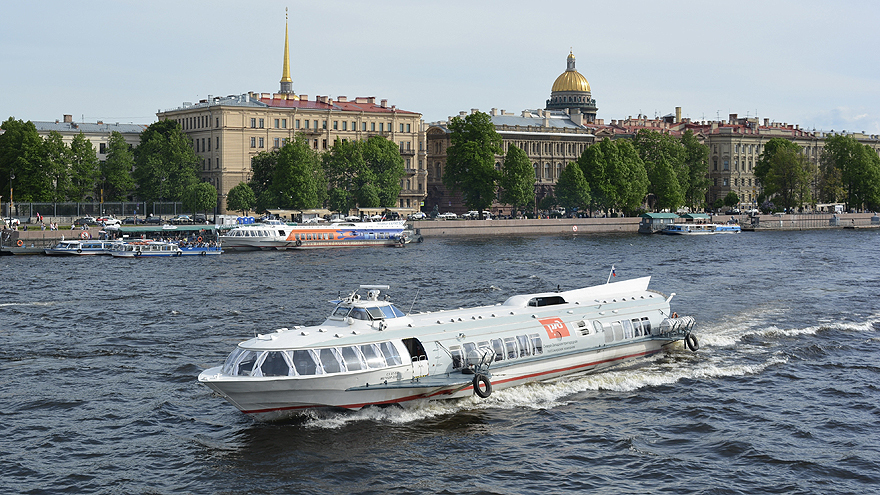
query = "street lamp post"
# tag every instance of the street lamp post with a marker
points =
(11, 177)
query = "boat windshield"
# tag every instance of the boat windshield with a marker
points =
(374, 313)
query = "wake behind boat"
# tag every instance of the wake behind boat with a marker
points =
(369, 352)
(275, 234)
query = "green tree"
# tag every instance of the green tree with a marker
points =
(731, 199)
(386, 168)
(517, 180)
(859, 169)
(83, 170)
(470, 160)
(696, 161)
(241, 198)
(202, 196)
(21, 155)
(165, 163)
(57, 156)
(616, 175)
(343, 166)
(298, 182)
(788, 177)
(117, 181)
(572, 188)
(762, 167)
(664, 159)
(263, 166)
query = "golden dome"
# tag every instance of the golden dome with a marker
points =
(571, 80)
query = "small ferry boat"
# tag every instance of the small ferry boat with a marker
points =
(146, 248)
(80, 248)
(275, 234)
(701, 229)
(369, 352)
(200, 249)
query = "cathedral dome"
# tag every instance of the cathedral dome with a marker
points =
(571, 79)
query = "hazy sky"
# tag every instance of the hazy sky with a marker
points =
(802, 62)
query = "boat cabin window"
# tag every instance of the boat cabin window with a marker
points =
(373, 355)
(510, 346)
(359, 314)
(498, 347)
(275, 364)
(646, 325)
(637, 327)
(376, 313)
(546, 301)
(537, 345)
(340, 312)
(392, 357)
(618, 330)
(305, 363)
(247, 362)
(331, 361)
(524, 349)
(627, 329)
(353, 359)
(391, 311)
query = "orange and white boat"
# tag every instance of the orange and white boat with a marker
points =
(275, 234)
(369, 352)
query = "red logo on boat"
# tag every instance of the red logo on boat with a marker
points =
(556, 329)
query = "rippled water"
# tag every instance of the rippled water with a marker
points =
(100, 358)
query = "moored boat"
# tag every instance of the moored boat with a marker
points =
(689, 229)
(369, 352)
(200, 249)
(77, 247)
(275, 234)
(146, 249)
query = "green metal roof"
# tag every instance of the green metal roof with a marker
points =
(659, 215)
(164, 228)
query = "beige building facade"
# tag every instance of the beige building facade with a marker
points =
(227, 132)
(97, 133)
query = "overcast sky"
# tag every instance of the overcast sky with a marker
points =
(801, 62)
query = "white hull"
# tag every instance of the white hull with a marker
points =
(279, 236)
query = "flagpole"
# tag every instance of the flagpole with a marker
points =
(610, 274)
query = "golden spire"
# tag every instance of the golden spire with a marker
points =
(285, 73)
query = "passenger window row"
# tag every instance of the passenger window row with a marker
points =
(521, 346)
(624, 329)
(305, 362)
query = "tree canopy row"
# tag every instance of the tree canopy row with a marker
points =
(163, 167)
(670, 172)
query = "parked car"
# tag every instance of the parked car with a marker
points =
(132, 221)
(11, 222)
(181, 219)
(154, 220)
(108, 220)
(200, 218)
(85, 221)
(419, 215)
(447, 216)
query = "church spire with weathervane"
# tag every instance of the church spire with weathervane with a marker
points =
(286, 82)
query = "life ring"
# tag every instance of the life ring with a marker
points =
(20, 243)
(84, 234)
(482, 393)
(199, 239)
(137, 253)
(299, 243)
(204, 253)
(692, 343)
(79, 251)
(674, 314)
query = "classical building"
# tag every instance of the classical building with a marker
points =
(98, 133)
(552, 138)
(227, 132)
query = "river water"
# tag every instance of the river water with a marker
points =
(100, 358)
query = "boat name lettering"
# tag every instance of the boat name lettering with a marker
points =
(555, 327)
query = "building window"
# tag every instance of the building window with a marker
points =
(262, 142)
(306, 123)
(316, 124)
(217, 124)
(363, 126)
(203, 143)
(372, 126)
(354, 126)
(715, 163)
(324, 144)
(261, 124)
(209, 144)
(217, 143)
(725, 182)
(726, 164)
(407, 128)
(335, 125)
(277, 142)
(296, 124)
(316, 144)
(253, 142)
(344, 125)
(401, 127)
(253, 123)
(277, 123)
(102, 148)
(209, 164)
(284, 123)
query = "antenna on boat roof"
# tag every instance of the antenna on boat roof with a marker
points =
(414, 302)
(612, 274)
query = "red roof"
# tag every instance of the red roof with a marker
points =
(344, 106)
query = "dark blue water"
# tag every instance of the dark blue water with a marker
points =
(99, 360)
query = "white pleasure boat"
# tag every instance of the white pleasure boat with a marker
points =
(368, 352)
(146, 249)
(81, 247)
(274, 234)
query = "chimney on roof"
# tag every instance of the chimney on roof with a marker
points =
(100, 122)
(342, 99)
(304, 97)
(678, 114)
(766, 122)
(383, 103)
(68, 118)
(732, 118)
(474, 110)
